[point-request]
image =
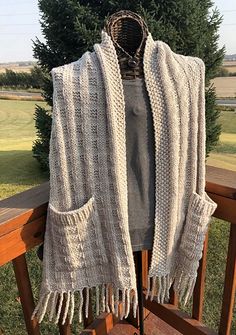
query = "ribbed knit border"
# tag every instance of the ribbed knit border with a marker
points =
(200, 206)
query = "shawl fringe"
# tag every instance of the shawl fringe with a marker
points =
(159, 287)
(107, 299)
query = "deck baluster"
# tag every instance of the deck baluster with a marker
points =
(25, 292)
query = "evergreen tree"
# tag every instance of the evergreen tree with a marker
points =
(71, 27)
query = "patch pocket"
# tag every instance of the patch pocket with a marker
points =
(77, 237)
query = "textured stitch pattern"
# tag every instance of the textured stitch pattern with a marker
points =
(87, 244)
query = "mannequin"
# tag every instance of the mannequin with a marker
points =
(128, 32)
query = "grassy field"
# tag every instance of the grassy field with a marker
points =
(15, 68)
(224, 155)
(216, 263)
(19, 171)
(225, 87)
(230, 65)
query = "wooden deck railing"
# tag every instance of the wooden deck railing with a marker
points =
(22, 224)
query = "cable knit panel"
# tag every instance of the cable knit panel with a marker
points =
(87, 245)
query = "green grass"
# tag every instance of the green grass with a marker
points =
(215, 273)
(20, 171)
(224, 154)
(11, 315)
(228, 121)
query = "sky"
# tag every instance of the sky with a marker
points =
(19, 25)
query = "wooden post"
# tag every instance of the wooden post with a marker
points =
(25, 292)
(63, 329)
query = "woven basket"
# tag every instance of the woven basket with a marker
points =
(128, 32)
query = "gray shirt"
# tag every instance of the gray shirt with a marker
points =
(140, 163)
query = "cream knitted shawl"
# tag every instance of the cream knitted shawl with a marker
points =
(87, 244)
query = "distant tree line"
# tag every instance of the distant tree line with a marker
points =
(223, 72)
(22, 80)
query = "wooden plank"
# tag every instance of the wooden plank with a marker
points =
(174, 300)
(145, 266)
(229, 285)
(198, 293)
(102, 325)
(178, 319)
(64, 329)
(134, 321)
(19, 241)
(25, 292)
(23, 207)
(225, 209)
(221, 181)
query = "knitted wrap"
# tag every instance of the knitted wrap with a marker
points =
(87, 244)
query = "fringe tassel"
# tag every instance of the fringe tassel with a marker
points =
(127, 303)
(59, 307)
(37, 308)
(97, 300)
(123, 304)
(135, 303)
(107, 299)
(116, 302)
(44, 306)
(160, 289)
(148, 288)
(158, 286)
(53, 305)
(72, 309)
(81, 305)
(66, 308)
(153, 287)
(53, 302)
(184, 286)
(112, 301)
(103, 297)
(87, 302)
